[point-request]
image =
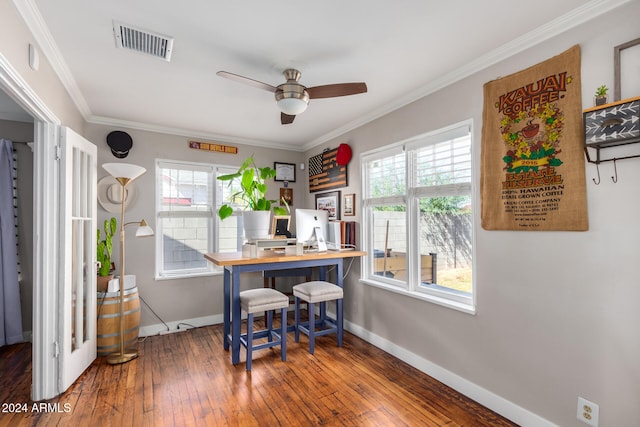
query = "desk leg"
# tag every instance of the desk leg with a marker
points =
(227, 308)
(236, 319)
(340, 304)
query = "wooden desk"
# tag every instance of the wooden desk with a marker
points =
(234, 264)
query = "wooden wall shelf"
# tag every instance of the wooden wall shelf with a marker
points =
(612, 125)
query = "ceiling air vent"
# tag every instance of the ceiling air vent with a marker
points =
(143, 41)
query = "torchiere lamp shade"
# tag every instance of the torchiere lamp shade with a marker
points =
(124, 170)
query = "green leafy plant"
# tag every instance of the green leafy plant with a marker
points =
(253, 184)
(105, 247)
(601, 91)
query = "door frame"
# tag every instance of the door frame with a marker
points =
(46, 220)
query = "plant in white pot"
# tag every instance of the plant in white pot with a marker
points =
(253, 194)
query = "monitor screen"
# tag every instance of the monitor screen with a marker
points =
(306, 222)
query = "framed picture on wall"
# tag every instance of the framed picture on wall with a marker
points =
(329, 202)
(349, 205)
(626, 62)
(325, 173)
(285, 171)
(286, 195)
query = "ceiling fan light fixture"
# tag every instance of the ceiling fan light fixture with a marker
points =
(292, 106)
(292, 98)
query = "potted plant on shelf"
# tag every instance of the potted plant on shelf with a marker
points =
(601, 95)
(253, 193)
(104, 251)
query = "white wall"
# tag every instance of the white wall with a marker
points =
(196, 299)
(557, 312)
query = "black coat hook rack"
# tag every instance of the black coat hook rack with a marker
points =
(611, 125)
(593, 179)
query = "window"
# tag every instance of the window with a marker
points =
(417, 219)
(187, 226)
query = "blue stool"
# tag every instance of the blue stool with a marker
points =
(264, 300)
(312, 293)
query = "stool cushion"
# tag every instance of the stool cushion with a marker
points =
(262, 299)
(318, 291)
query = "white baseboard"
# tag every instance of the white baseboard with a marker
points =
(156, 329)
(150, 330)
(486, 398)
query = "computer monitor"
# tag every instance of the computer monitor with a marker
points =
(308, 223)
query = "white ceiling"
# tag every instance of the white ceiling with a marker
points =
(402, 49)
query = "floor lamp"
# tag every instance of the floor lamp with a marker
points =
(124, 173)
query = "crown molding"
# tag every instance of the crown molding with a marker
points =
(190, 133)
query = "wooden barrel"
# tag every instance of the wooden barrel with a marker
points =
(109, 321)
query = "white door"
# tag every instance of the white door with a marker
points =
(77, 332)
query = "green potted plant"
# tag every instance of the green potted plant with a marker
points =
(104, 251)
(601, 95)
(253, 192)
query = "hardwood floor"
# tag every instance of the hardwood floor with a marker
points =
(187, 379)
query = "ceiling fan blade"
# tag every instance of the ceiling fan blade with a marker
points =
(338, 89)
(286, 119)
(246, 80)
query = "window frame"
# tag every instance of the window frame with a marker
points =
(213, 239)
(412, 286)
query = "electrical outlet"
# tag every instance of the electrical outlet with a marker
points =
(588, 412)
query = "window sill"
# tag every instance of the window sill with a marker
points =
(434, 299)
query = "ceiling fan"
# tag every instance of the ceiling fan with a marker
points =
(292, 97)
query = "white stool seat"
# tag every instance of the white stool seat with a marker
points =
(318, 292)
(264, 300)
